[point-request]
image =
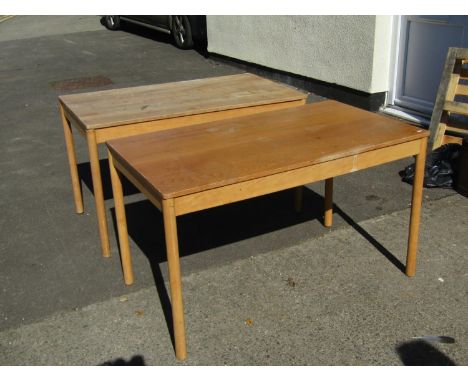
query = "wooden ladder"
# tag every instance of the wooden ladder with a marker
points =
(450, 113)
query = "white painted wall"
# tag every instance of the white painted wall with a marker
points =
(352, 51)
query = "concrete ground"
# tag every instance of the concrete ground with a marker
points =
(279, 290)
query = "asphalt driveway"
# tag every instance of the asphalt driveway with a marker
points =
(47, 263)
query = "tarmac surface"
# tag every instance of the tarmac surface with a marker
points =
(333, 300)
(262, 284)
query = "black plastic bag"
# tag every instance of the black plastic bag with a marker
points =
(441, 167)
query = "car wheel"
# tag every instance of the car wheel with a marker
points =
(182, 32)
(112, 22)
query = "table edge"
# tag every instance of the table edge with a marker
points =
(421, 134)
(178, 115)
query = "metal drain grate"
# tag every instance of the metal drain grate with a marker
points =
(81, 83)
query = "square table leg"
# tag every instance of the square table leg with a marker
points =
(173, 263)
(298, 195)
(172, 248)
(70, 145)
(119, 205)
(98, 193)
(328, 214)
(416, 209)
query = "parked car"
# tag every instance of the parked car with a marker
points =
(185, 30)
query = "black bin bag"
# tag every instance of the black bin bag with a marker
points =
(441, 167)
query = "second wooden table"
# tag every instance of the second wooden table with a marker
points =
(108, 114)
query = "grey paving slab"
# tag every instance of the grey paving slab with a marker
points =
(24, 27)
(332, 300)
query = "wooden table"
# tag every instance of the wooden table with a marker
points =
(117, 113)
(191, 169)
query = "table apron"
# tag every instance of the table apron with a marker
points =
(293, 178)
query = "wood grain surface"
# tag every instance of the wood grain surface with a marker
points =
(191, 159)
(118, 107)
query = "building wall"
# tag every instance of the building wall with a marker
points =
(351, 51)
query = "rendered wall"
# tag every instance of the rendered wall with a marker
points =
(351, 51)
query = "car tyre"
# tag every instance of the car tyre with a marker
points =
(112, 22)
(182, 32)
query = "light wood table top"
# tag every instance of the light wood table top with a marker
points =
(182, 161)
(117, 107)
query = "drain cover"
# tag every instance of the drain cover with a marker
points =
(81, 83)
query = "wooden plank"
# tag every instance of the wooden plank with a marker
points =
(460, 53)
(450, 139)
(464, 74)
(153, 102)
(462, 90)
(103, 135)
(452, 87)
(289, 179)
(448, 81)
(191, 159)
(456, 130)
(439, 135)
(456, 107)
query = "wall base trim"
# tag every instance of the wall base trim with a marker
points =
(319, 89)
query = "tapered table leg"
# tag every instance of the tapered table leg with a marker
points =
(75, 179)
(125, 254)
(172, 247)
(98, 193)
(416, 209)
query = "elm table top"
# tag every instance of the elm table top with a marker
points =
(117, 107)
(192, 159)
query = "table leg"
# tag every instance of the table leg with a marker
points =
(125, 255)
(173, 262)
(328, 214)
(298, 198)
(98, 193)
(416, 209)
(75, 179)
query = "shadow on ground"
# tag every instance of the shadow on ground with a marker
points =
(212, 228)
(421, 353)
(223, 225)
(377, 245)
(136, 360)
(84, 172)
(215, 227)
